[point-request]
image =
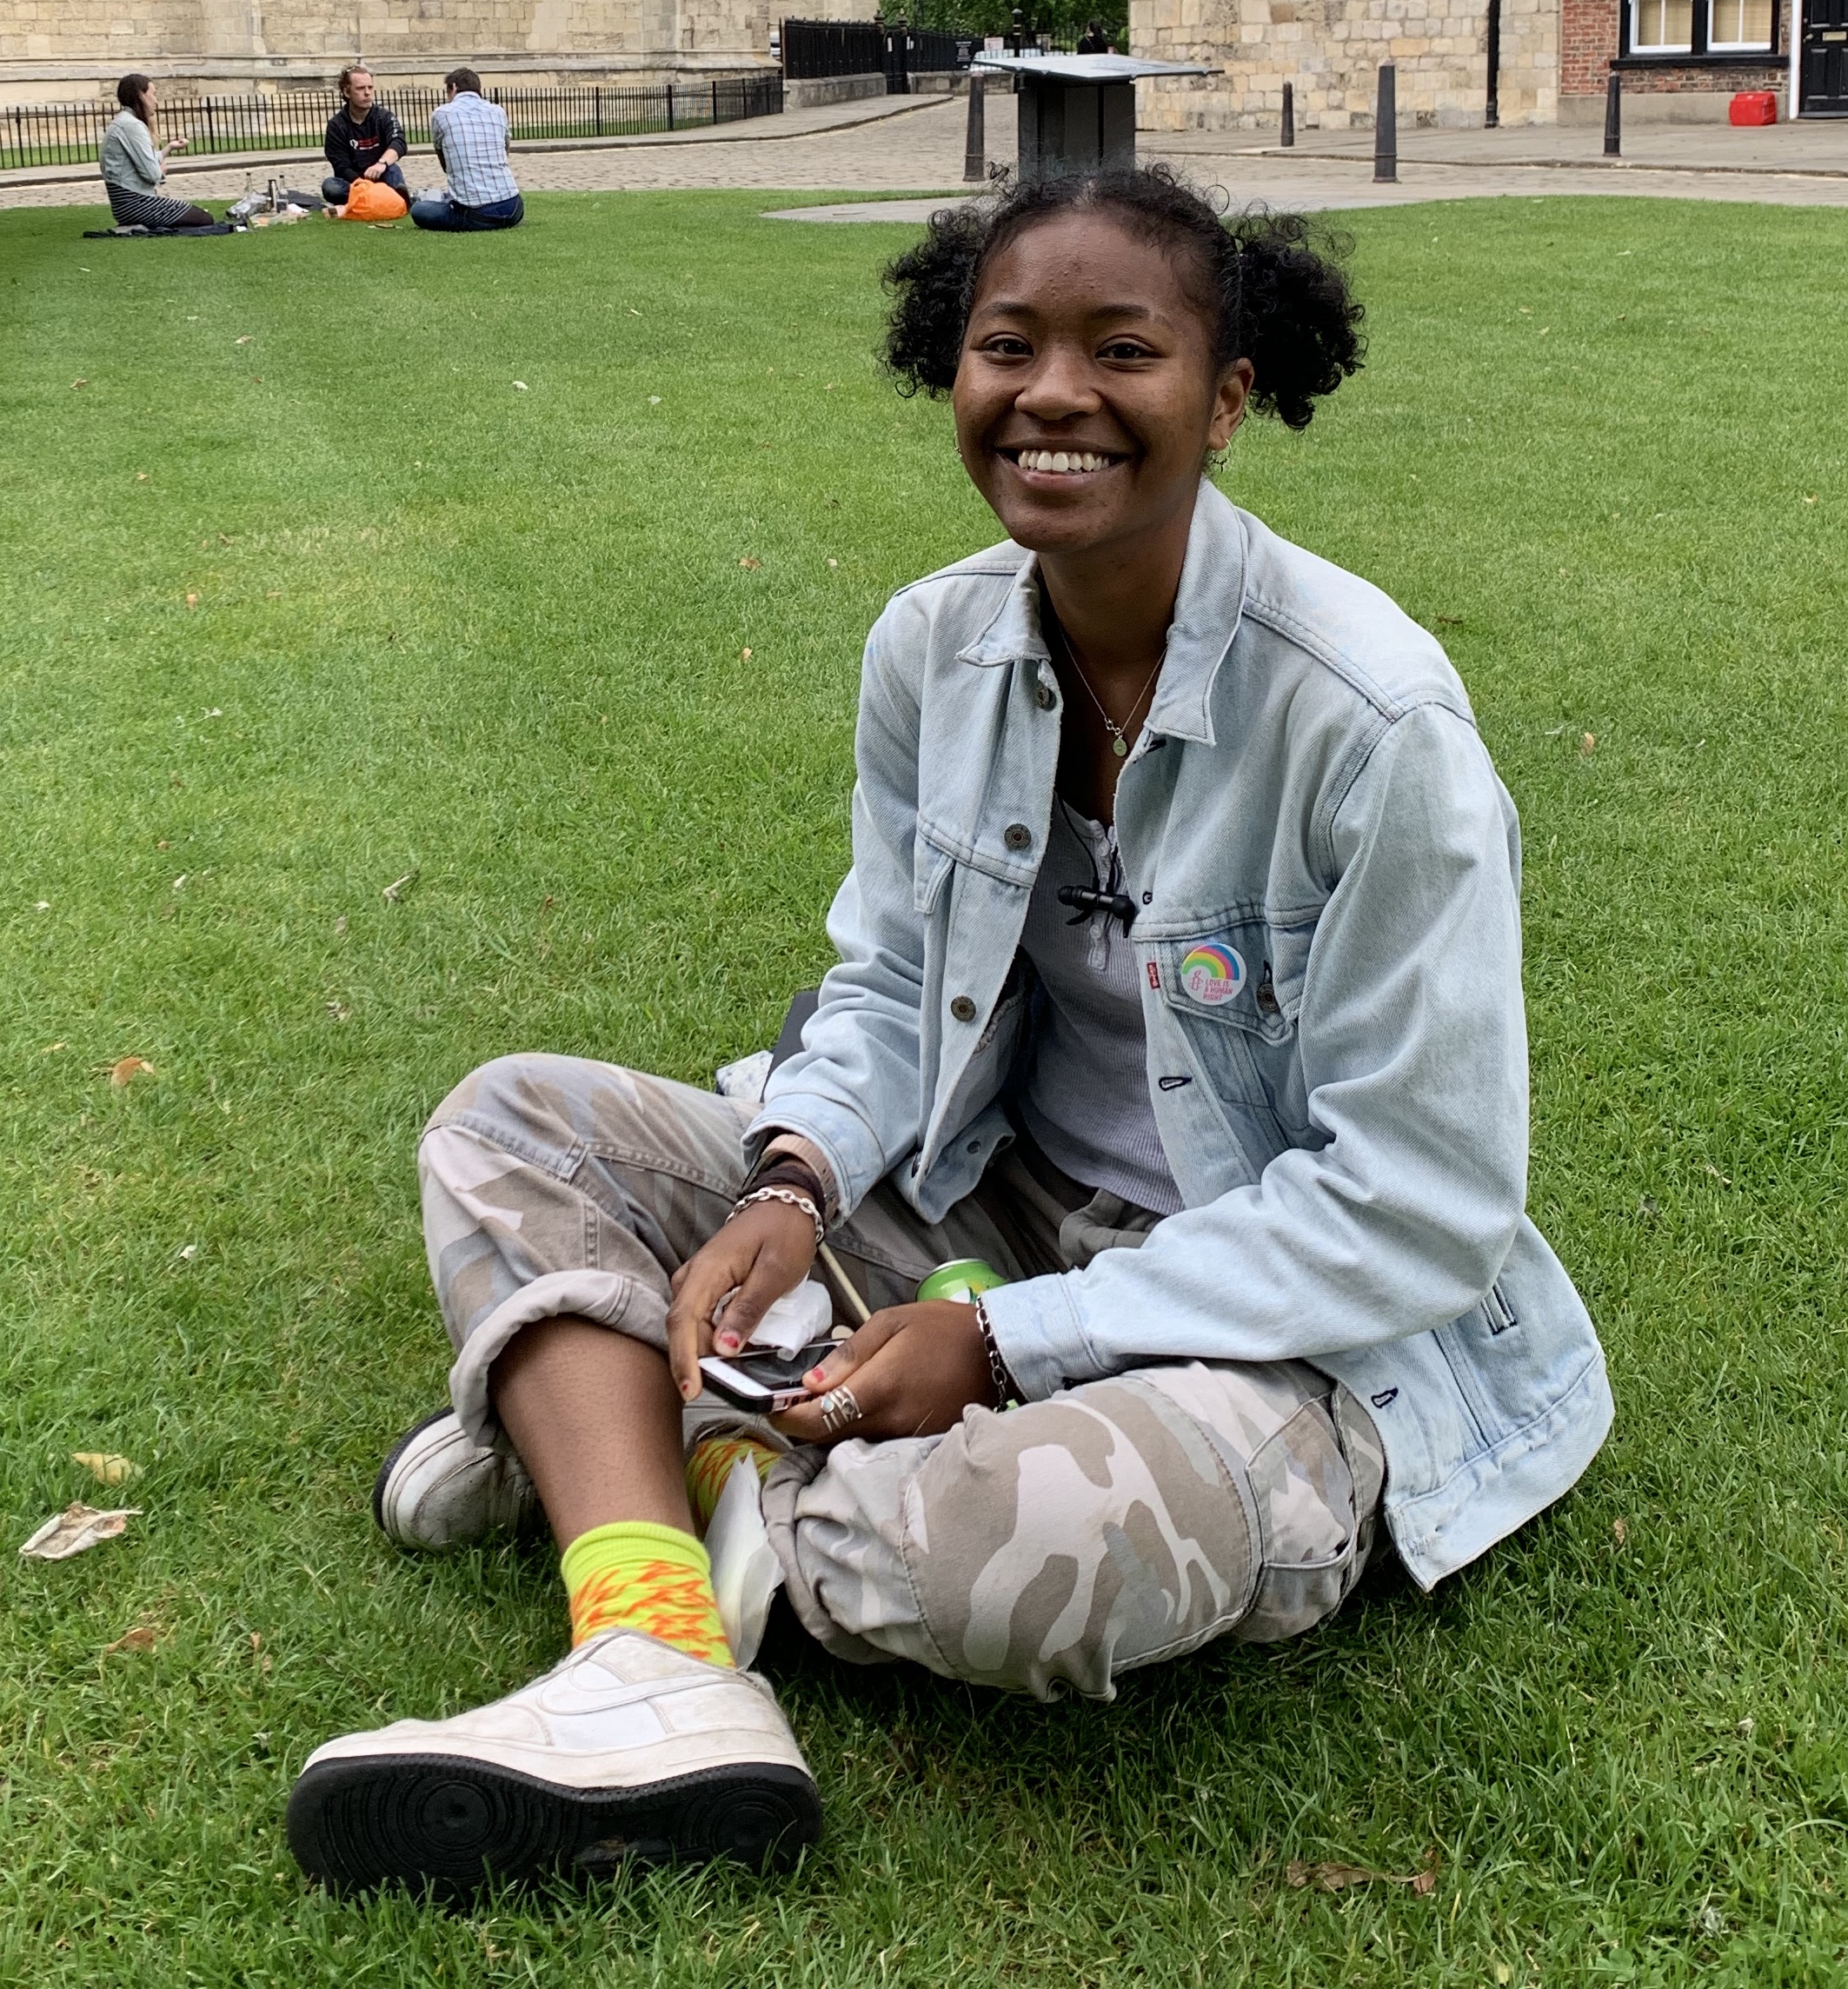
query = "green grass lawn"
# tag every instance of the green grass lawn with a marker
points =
(537, 566)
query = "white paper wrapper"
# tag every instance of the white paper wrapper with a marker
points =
(802, 1315)
(746, 1573)
(76, 1527)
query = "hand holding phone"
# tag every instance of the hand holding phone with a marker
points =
(764, 1382)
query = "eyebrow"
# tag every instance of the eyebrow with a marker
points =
(1013, 307)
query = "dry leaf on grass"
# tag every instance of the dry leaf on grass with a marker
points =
(1619, 1531)
(245, 340)
(106, 1467)
(394, 893)
(1588, 745)
(192, 601)
(128, 1068)
(143, 1637)
(748, 564)
(86, 383)
(1331, 1877)
(78, 1527)
(141, 476)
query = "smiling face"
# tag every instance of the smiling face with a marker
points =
(1088, 394)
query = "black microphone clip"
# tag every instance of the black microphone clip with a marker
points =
(1087, 903)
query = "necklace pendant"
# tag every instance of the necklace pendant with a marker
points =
(1119, 746)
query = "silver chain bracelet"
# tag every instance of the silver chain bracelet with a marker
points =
(793, 1198)
(1007, 1390)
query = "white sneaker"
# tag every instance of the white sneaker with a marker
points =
(438, 1489)
(629, 1749)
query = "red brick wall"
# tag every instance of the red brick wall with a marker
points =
(1588, 41)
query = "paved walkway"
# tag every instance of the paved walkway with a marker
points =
(1814, 145)
(909, 144)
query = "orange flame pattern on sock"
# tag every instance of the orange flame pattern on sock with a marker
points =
(710, 1470)
(674, 1603)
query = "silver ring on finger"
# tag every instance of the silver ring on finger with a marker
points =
(839, 1409)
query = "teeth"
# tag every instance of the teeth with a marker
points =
(1059, 461)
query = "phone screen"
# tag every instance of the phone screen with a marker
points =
(764, 1380)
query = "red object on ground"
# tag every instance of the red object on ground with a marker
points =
(1753, 107)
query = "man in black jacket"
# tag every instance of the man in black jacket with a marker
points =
(364, 141)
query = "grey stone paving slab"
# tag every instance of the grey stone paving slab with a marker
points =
(1813, 145)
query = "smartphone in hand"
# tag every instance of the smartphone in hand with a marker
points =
(764, 1381)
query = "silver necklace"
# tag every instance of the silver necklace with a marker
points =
(1118, 742)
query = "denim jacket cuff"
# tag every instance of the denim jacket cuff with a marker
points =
(846, 1142)
(1038, 1333)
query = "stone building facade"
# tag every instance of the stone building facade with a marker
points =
(53, 50)
(1680, 59)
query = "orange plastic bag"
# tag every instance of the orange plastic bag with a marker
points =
(372, 200)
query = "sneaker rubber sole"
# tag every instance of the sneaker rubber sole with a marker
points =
(453, 1825)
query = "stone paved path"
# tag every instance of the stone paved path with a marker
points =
(918, 146)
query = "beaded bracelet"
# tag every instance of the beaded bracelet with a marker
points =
(1007, 1390)
(792, 1198)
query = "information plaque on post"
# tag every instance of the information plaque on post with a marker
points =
(1078, 113)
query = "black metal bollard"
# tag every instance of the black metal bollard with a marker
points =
(975, 146)
(1385, 127)
(1613, 117)
(1289, 114)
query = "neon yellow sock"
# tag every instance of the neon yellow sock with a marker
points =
(710, 1470)
(636, 1576)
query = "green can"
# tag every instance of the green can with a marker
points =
(961, 1278)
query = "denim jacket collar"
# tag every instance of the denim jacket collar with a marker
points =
(1206, 610)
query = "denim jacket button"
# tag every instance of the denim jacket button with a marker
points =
(963, 1009)
(1017, 835)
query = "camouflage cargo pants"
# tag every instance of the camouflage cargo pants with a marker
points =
(1058, 1544)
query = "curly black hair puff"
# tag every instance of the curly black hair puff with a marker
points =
(1269, 292)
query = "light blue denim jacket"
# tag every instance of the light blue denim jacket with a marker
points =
(1338, 1073)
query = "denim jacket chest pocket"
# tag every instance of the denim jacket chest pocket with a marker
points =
(1235, 986)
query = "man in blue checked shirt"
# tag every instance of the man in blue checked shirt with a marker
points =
(470, 137)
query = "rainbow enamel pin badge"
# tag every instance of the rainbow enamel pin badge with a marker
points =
(1213, 972)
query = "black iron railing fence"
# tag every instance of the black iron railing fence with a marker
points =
(814, 49)
(69, 134)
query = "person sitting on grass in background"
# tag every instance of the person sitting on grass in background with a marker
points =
(364, 141)
(133, 167)
(470, 137)
(1247, 1135)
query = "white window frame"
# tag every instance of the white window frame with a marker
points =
(1639, 48)
(1740, 48)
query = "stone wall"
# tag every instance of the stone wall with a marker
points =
(53, 50)
(1331, 51)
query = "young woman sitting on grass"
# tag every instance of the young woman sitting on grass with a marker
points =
(134, 167)
(1179, 980)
